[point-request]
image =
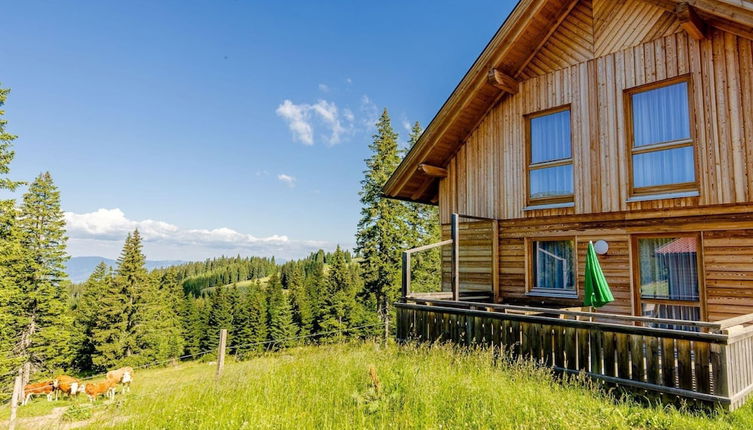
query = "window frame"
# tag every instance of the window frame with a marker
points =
(638, 300)
(655, 147)
(531, 288)
(565, 198)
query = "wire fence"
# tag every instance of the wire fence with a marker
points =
(197, 355)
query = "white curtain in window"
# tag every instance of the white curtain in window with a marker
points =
(673, 312)
(670, 166)
(551, 181)
(669, 268)
(553, 264)
(661, 115)
(550, 137)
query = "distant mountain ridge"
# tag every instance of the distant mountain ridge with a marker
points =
(79, 268)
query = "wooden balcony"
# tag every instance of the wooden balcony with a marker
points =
(703, 363)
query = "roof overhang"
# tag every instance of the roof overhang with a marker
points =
(493, 76)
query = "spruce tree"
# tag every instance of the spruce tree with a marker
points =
(193, 328)
(302, 315)
(315, 285)
(85, 315)
(46, 340)
(423, 228)
(243, 330)
(381, 230)
(12, 262)
(258, 319)
(220, 316)
(340, 309)
(281, 326)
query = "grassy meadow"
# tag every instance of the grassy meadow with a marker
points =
(330, 386)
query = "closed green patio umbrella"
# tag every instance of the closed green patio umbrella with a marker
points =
(597, 292)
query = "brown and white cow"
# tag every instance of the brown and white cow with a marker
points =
(67, 385)
(96, 389)
(38, 389)
(123, 376)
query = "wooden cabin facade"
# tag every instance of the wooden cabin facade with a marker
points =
(628, 122)
(546, 144)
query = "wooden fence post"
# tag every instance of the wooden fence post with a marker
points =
(16, 398)
(221, 352)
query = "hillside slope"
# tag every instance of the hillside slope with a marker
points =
(329, 387)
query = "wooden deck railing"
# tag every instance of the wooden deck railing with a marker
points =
(708, 362)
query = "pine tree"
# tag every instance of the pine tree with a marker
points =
(220, 316)
(110, 326)
(315, 285)
(85, 315)
(46, 341)
(160, 333)
(258, 317)
(242, 333)
(340, 309)
(381, 230)
(281, 326)
(193, 328)
(302, 315)
(423, 228)
(12, 262)
(136, 323)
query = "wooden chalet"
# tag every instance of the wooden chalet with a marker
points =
(627, 123)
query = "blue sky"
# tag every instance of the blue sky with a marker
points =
(222, 127)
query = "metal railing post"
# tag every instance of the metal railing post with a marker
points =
(455, 232)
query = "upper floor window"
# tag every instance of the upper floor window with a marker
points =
(661, 143)
(550, 158)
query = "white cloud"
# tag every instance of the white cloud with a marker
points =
(406, 125)
(349, 81)
(286, 179)
(298, 121)
(304, 118)
(324, 88)
(369, 111)
(102, 233)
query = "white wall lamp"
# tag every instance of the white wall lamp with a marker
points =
(601, 247)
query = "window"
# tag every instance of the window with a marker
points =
(662, 155)
(553, 267)
(550, 160)
(668, 277)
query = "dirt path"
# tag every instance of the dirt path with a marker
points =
(53, 420)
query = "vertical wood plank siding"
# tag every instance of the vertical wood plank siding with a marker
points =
(487, 175)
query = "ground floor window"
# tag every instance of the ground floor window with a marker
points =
(667, 277)
(552, 265)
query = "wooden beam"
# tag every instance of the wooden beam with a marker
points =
(690, 21)
(433, 171)
(664, 4)
(502, 81)
(421, 190)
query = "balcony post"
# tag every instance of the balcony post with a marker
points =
(406, 273)
(455, 232)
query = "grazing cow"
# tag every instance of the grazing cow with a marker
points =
(96, 389)
(124, 376)
(38, 389)
(67, 385)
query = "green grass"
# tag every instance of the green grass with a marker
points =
(422, 387)
(242, 285)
